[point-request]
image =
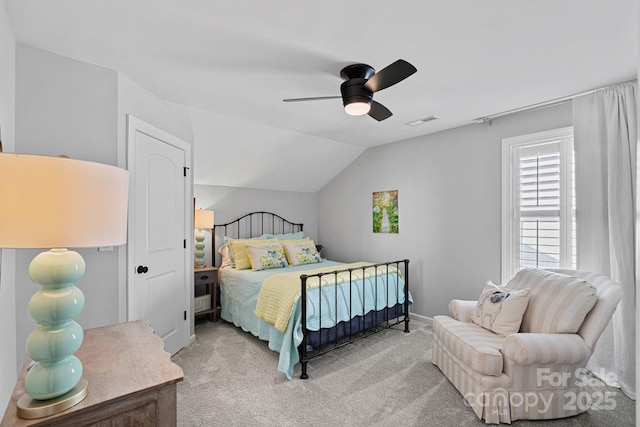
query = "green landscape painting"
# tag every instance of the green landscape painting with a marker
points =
(385, 211)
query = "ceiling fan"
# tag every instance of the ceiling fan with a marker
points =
(360, 83)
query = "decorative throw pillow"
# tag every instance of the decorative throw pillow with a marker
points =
(266, 255)
(500, 309)
(239, 250)
(299, 253)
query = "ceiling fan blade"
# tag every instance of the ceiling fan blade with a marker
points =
(379, 111)
(390, 75)
(315, 98)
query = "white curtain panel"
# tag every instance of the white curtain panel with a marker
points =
(605, 140)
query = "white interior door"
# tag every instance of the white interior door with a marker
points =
(158, 279)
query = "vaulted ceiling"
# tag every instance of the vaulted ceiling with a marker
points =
(233, 62)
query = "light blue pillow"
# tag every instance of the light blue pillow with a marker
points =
(285, 236)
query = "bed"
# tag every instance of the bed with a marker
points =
(309, 306)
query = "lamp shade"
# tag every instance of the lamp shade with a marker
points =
(56, 202)
(203, 219)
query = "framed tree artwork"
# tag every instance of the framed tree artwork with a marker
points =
(385, 212)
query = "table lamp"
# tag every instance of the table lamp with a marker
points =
(56, 202)
(203, 219)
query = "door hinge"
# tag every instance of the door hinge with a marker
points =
(185, 170)
(185, 315)
(185, 243)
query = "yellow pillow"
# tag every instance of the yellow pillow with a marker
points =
(240, 255)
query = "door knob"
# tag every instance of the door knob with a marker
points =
(142, 269)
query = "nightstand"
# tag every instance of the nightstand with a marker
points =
(206, 292)
(132, 381)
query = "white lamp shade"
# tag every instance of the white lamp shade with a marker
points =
(56, 202)
(203, 219)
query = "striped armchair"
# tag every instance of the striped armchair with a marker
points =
(535, 373)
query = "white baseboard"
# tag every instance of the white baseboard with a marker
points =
(425, 319)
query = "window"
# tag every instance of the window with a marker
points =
(538, 202)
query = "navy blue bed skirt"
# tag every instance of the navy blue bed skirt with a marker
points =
(353, 327)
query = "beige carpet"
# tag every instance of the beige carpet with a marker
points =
(231, 379)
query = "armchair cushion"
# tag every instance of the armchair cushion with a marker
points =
(558, 303)
(500, 309)
(529, 349)
(476, 346)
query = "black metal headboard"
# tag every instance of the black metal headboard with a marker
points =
(253, 224)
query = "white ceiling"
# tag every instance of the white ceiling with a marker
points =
(239, 59)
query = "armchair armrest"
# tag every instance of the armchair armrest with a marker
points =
(529, 349)
(461, 309)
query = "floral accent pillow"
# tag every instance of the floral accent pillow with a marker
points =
(264, 256)
(299, 253)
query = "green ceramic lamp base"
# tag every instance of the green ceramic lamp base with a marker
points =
(199, 251)
(56, 370)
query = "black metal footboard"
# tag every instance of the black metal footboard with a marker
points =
(361, 324)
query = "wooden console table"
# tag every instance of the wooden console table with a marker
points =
(132, 381)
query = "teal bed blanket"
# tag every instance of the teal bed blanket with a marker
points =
(239, 290)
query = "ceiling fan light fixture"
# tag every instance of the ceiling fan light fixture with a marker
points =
(357, 108)
(360, 83)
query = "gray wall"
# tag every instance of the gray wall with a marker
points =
(7, 257)
(64, 106)
(449, 197)
(67, 107)
(229, 203)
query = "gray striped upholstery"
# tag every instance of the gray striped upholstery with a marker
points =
(481, 392)
(609, 295)
(558, 303)
(476, 346)
(461, 309)
(535, 377)
(529, 349)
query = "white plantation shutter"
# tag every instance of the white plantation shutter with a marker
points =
(538, 202)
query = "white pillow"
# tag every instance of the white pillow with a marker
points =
(500, 309)
(264, 256)
(304, 252)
